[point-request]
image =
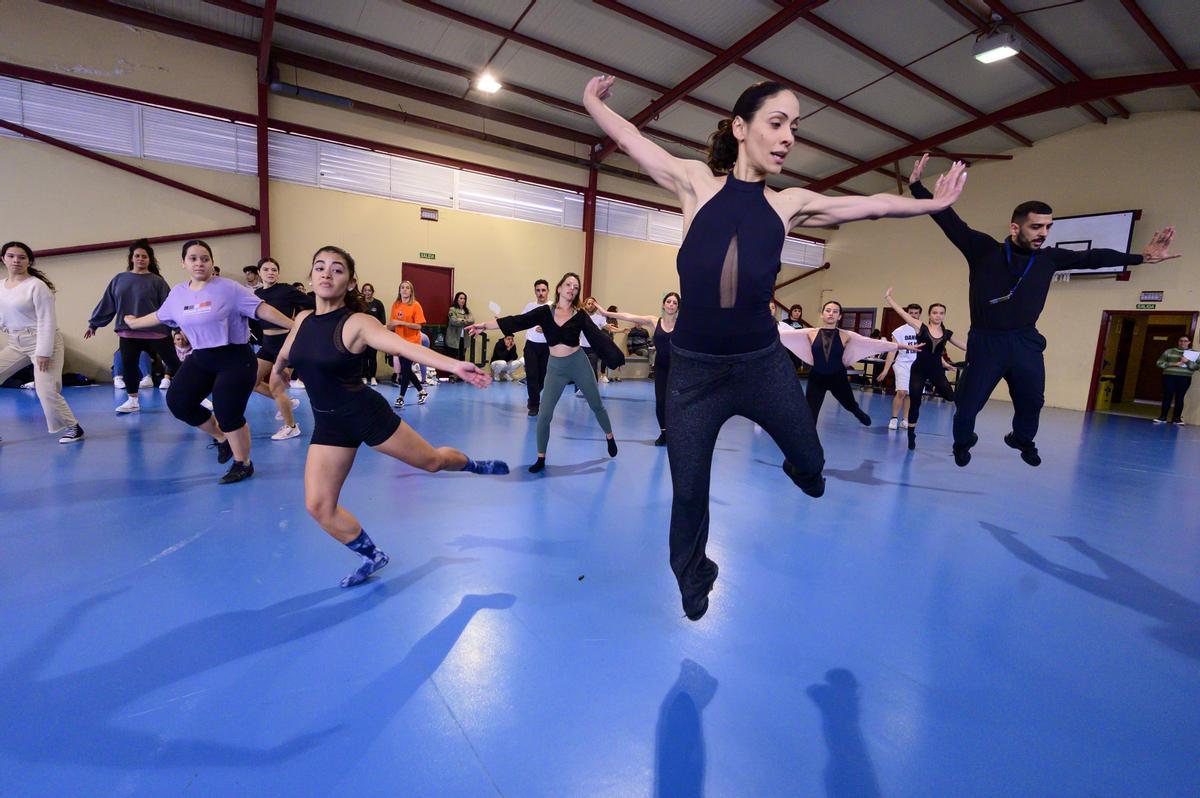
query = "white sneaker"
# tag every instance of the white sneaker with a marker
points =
(374, 382)
(603, 378)
(29, 386)
(206, 403)
(297, 384)
(165, 384)
(904, 424)
(893, 423)
(286, 432)
(130, 405)
(279, 414)
(364, 380)
(146, 382)
(119, 383)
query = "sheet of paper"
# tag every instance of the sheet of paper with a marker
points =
(494, 308)
(1191, 354)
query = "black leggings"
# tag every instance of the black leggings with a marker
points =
(662, 373)
(916, 387)
(837, 384)
(1174, 387)
(370, 363)
(704, 392)
(228, 372)
(132, 348)
(404, 369)
(537, 358)
(1013, 356)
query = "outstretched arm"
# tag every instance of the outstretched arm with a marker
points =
(954, 340)
(887, 366)
(673, 174)
(363, 331)
(818, 210)
(1156, 251)
(268, 313)
(895, 305)
(142, 322)
(632, 318)
(963, 237)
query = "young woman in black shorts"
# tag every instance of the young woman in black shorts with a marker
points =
(326, 347)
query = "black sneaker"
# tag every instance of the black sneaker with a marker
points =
(399, 403)
(1029, 452)
(661, 440)
(237, 472)
(1178, 421)
(695, 606)
(74, 434)
(421, 397)
(1160, 421)
(533, 411)
(224, 451)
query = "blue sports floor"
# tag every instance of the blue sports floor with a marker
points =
(922, 630)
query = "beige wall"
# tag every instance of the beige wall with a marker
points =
(1147, 162)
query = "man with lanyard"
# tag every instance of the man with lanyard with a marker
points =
(1008, 284)
(537, 351)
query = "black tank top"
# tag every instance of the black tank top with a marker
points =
(287, 299)
(662, 345)
(827, 352)
(930, 355)
(727, 267)
(331, 373)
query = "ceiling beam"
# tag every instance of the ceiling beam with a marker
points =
(754, 38)
(1040, 42)
(1160, 41)
(264, 41)
(979, 23)
(1057, 97)
(149, 21)
(607, 69)
(906, 73)
(684, 36)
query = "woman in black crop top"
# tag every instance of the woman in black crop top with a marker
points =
(562, 323)
(664, 326)
(931, 363)
(726, 356)
(289, 301)
(327, 346)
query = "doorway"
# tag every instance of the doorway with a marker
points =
(1126, 379)
(434, 287)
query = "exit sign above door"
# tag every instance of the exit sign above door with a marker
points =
(428, 256)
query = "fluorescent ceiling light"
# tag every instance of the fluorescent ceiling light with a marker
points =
(996, 45)
(488, 84)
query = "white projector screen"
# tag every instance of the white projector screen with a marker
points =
(1093, 231)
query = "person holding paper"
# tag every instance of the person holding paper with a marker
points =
(1178, 363)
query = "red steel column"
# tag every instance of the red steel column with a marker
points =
(589, 229)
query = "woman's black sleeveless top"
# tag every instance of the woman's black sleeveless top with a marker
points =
(332, 374)
(727, 266)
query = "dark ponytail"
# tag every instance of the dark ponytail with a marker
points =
(722, 148)
(723, 145)
(38, 273)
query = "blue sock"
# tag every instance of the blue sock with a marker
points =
(486, 466)
(362, 545)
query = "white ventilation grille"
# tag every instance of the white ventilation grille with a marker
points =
(87, 120)
(10, 104)
(351, 169)
(125, 128)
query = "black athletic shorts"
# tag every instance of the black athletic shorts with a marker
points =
(367, 419)
(271, 344)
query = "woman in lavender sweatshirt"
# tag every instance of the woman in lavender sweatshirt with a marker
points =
(213, 311)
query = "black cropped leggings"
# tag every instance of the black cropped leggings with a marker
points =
(935, 375)
(228, 372)
(132, 348)
(705, 391)
(662, 374)
(837, 384)
(405, 370)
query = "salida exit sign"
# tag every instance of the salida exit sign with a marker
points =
(428, 256)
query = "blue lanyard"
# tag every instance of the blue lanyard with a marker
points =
(1008, 260)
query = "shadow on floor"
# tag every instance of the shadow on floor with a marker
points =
(1121, 585)
(849, 772)
(78, 717)
(679, 752)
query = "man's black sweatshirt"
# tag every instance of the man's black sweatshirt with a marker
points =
(993, 275)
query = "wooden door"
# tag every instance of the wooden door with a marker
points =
(1159, 338)
(434, 288)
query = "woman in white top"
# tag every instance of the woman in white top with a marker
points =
(27, 316)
